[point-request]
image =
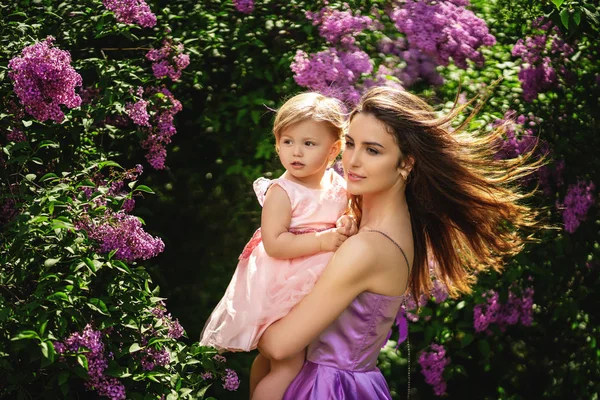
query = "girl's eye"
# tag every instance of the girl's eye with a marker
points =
(372, 151)
(286, 141)
(309, 143)
(349, 144)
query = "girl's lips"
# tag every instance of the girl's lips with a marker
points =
(354, 177)
(297, 164)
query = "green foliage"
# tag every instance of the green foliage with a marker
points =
(54, 281)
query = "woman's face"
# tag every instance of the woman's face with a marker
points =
(370, 157)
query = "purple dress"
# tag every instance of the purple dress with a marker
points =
(341, 364)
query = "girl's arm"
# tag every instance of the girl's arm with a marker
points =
(275, 225)
(350, 272)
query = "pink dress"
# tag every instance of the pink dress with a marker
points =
(264, 289)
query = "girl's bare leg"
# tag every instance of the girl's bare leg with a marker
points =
(274, 385)
(260, 368)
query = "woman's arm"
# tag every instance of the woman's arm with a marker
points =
(275, 225)
(349, 273)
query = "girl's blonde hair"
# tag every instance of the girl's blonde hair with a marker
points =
(311, 106)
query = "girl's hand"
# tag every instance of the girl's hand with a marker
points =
(331, 239)
(346, 225)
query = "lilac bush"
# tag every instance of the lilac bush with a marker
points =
(579, 199)
(544, 56)
(89, 343)
(123, 233)
(44, 80)
(244, 6)
(168, 61)
(432, 365)
(339, 27)
(332, 72)
(131, 12)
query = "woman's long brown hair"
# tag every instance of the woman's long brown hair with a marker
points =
(466, 207)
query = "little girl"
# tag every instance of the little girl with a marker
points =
(298, 235)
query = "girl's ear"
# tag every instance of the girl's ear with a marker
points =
(335, 150)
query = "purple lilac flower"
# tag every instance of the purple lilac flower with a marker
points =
(231, 381)
(443, 30)
(44, 80)
(90, 341)
(163, 127)
(332, 72)
(519, 139)
(168, 61)
(138, 112)
(339, 27)
(577, 202)
(439, 292)
(487, 313)
(244, 6)
(123, 233)
(432, 367)
(16, 135)
(206, 376)
(175, 328)
(154, 357)
(517, 308)
(131, 12)
(551, 178)
(544, 56)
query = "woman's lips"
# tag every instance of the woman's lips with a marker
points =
(354, 177)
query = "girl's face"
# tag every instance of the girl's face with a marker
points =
(371, 157)
(306, 148)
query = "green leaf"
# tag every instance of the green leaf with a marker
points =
(98, 305)
(564, 17)
(82, 360)
(30, 177)
(51, 262)
(255, 114)
(202, 391)
(466, 340)
(558, 3)
(48, 176)
(58, 296)
(484, 348)
(108, 164)
(58, 224)
(26, 335)
(134, 347)
(63, 377)
(43, 327)
(48, 143)
(48, 350)
(144, 188)
(577, 16)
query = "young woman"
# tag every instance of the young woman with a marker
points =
(419, 191)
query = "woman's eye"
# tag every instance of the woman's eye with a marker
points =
(372, 151)
(349, 144)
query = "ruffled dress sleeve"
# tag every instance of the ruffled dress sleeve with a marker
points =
(262, 185)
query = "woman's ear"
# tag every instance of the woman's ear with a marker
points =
(406, 165)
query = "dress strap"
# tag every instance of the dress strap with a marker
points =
(404, 301)
(397, 245)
